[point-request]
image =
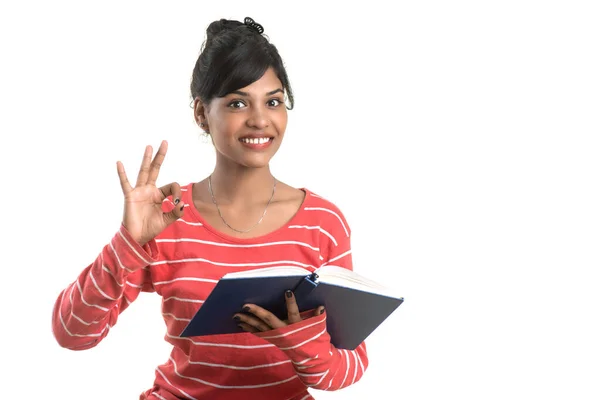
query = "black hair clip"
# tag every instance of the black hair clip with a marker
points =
(254, 25)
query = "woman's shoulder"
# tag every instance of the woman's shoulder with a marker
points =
(324, 210)
(317, 200)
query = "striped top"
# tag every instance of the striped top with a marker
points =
(183, 264)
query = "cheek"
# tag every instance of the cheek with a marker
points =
(225, 129)
(281, 122)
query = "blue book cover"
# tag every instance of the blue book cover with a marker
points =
(355, 306)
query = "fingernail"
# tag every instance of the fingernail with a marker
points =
(177, 201)
(246, 309)
(288, 294)
(236, 317)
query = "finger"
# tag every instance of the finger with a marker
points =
(145, 167)
(247, 328)
(265, 316)
(292, 307)
(174, 190)
(125, 185)
(157, 162)
(174, 214)
(253, 322)
(319, 310)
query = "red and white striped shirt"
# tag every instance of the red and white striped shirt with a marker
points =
(183, 264)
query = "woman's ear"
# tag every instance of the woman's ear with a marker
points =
(200, 114)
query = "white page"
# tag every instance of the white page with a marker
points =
(344, 277)
(289, 270)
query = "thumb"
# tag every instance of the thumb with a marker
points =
(173, 190)
(319, 310)
(174, 214)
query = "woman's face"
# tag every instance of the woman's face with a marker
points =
(247, 125)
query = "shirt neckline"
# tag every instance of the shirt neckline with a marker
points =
(191, 208)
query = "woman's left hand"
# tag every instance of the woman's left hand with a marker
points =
(257, 319)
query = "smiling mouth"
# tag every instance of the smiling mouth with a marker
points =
(257, 141)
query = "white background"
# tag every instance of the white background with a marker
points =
(460, 139)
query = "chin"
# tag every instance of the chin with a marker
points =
(255, 159)
(255, 162)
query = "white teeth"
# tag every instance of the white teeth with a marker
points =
(262, 140)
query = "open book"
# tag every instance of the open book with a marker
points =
(355, 305)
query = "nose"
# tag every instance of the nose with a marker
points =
(258, 118)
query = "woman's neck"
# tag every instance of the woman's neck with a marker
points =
(236, 185)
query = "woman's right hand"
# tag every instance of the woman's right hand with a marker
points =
(143, 216)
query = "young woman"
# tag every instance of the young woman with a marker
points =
(178, 241)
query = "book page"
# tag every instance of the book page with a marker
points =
(344, 277)
(288, 270)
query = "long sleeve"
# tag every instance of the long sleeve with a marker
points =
(318, 363)
(86, 310)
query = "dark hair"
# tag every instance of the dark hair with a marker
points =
(234, 55)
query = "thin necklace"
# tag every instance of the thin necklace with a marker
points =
(221, 215)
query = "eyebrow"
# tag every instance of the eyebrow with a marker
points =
(246, 94)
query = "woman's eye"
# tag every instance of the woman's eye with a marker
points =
(236, 104)
(274, 102)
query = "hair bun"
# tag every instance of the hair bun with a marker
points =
(216, 27)
(221, 25)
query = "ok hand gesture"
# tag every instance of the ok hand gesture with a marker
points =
(143, 216)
